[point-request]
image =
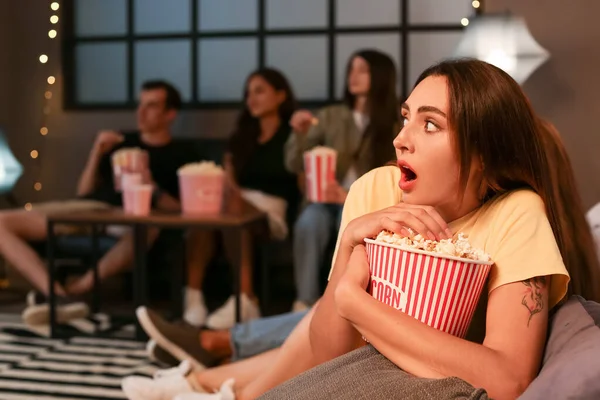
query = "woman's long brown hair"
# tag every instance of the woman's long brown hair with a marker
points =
(494, 121)
(580, 244)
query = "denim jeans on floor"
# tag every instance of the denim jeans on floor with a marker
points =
(316, 227)
(263, 334)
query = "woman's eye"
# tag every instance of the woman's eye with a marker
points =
(404, 121)
(430, 127)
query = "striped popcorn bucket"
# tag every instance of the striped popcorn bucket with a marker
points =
(440, 291)
(320, 170)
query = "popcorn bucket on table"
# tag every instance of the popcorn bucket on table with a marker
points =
(201, 187)
(319, 168)
(439, 290)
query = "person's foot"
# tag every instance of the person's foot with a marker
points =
(299, 306)
(38, 310)
(224, 317)
(160, 355)
(195, 311)
(165, 385)
(224, 393)
(181, 341)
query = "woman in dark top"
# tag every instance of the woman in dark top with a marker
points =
(254, 165)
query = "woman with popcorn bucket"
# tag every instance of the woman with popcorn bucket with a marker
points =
(334, 148)
(453, 177)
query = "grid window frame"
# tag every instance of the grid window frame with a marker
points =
(262, 33)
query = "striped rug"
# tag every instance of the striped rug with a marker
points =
(32, 366)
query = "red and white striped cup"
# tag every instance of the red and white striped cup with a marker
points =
(319, 168)
(440, 291)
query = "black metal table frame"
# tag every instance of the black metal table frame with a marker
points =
(140, 247)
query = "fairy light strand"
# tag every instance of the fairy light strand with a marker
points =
(36, 154)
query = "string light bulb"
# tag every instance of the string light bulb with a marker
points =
(52, 33)
(43, 59)
(27, 207)
(43, 131)
(54, 19)
(54, 6)
(48, 95)
(34, 154)
(476, 4)
(37, 186)
(464, 21)
(51, 80)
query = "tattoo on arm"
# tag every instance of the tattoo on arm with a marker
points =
(532, 299)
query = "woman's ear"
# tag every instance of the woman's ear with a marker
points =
(281, 96)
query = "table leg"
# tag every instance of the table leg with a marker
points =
(264, 262)
(140, 285)
(52, 277)
(94, 260)
(237, 275)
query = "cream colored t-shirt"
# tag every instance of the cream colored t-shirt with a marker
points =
(512, 228)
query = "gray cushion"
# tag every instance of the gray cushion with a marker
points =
(365, 374)
(571, 366)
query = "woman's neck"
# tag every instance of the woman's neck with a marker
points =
(269, 124)
(360, 104)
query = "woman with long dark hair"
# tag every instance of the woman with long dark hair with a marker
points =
(473, 158)
(360, 130)
(254, 165)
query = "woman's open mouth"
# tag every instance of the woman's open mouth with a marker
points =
(408, 176)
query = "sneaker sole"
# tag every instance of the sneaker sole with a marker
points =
(163, 342)
(159, 355)
(40, 314)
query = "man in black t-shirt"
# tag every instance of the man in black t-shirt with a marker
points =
(157, 109)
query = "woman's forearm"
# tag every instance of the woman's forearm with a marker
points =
(426, 352)
(327, 324)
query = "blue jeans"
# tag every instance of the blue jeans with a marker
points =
(263, 334)
(316, 226)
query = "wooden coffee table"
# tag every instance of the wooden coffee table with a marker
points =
(233, 221)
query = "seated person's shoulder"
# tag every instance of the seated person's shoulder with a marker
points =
(378, 184)
(333, 112)
(520, 201)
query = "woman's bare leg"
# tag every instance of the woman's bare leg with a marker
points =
(17, 227)
(244, 371)
(118, 259)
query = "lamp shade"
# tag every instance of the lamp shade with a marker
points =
(504, 41)
(10, 168)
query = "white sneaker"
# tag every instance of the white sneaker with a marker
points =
(299, 306)
(166, 384)
(224, 317)
(224, 393)
(195, 311)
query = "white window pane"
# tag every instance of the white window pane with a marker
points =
(100, 17)
(223, 15)
(347, 44)
(439, 11)
(304, 62)
(363, 12)
(428, 48)
(296, 14)
(168, 60)
(101, 70)
(160, 16)
(224, 66)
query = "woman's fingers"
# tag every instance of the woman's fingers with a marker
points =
(431, 218)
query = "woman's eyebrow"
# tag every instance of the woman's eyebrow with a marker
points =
(423, 109)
